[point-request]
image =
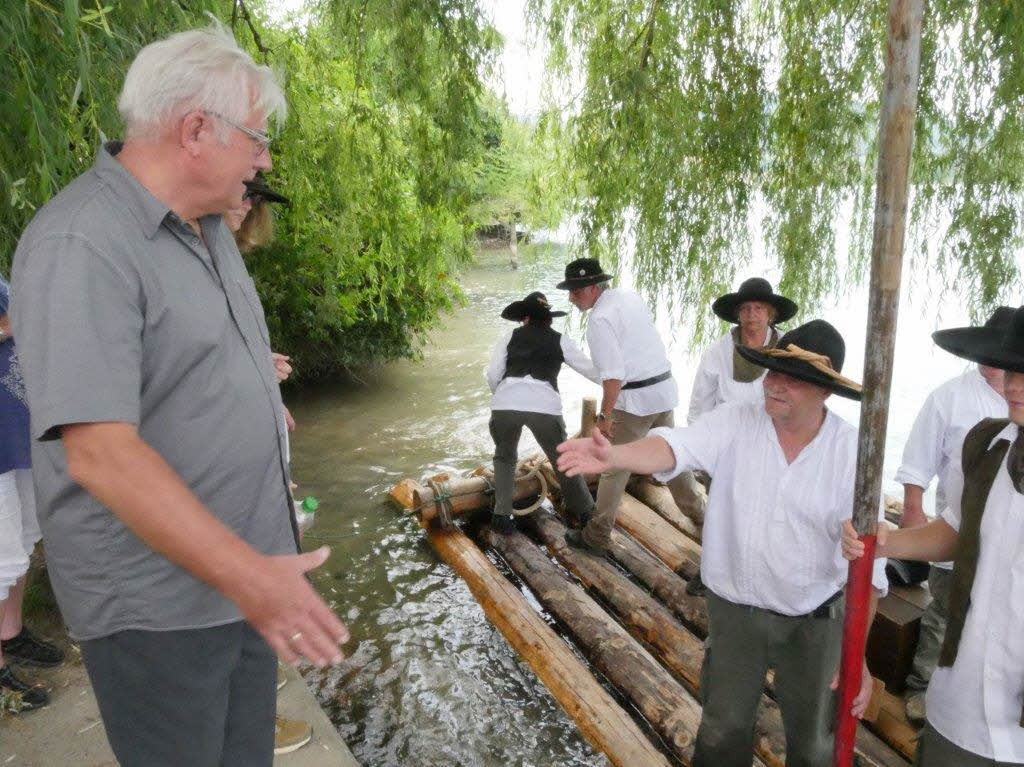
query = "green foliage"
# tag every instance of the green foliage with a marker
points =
(695, 115)
(522, 177)
(63, 65)
(379, 154)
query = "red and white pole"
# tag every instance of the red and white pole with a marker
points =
(895, 144)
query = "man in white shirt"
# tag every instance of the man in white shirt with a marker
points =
(947, 415)
(523, 377)
(639, 392)
(782, 474)
(975, 699)
(723, 375)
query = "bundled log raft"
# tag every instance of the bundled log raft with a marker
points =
(629, 614)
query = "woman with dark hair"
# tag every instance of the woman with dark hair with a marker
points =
(523, 376)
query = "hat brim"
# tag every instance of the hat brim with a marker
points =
(798, 369)
(264, 192)
(728, 306)
(517, 311)
(982, 345)
(582, 282)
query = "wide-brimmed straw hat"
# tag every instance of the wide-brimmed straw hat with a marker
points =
(755, 289)
(534, 306)
(813, 352)
(999, 343)
(583, 272)
(257, 188)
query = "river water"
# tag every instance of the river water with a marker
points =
(428, 680)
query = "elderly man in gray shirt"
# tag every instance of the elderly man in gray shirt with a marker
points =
(159, 438)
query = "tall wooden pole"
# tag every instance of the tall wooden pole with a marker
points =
(896, 140)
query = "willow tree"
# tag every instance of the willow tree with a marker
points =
(379, 152)
(687, 116)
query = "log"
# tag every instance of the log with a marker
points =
(662, 539)
(668, 708)
(602, 721)
(659, 499)
(470, 494)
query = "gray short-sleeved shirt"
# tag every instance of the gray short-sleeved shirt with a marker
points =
(122, 314)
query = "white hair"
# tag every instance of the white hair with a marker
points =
(198, 69)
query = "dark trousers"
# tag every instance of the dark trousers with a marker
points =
(198, 697)
(933, 750)
(549, 430)
(743, 642)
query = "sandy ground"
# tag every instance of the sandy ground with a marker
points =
(69, 731)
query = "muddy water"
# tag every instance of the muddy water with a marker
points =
(429, 680)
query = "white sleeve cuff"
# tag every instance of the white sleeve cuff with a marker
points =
(909, 475)
(667, 433)
(951, 518)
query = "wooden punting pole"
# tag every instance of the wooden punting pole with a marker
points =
(895, 143)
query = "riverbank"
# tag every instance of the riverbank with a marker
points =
(69, 730)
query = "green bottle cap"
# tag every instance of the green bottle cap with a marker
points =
(310, 504)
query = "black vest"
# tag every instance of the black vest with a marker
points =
(536, 351)
(981, 464)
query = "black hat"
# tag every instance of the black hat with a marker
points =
(906, 572)
(257, 188)
(813, 352)
(535, 306)
(583, 272)
(999, 343)
(755, 289)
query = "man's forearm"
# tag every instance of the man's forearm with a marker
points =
(611, 388)
(934, 542)
(645, 456)
(131, 479)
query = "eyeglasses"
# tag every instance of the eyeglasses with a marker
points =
(261, 141)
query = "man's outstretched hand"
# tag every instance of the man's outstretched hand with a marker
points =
(589, 455)
(283, 607)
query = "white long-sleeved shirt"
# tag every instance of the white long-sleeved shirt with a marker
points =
(713, 384)
(771, 534)
(947, 415)
(528, 393)
(625, 346)
(976, 703)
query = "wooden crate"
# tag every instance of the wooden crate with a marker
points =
(893, 640)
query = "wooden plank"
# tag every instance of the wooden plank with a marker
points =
(661, 700)
(892, 641)
(601, 720)
(917, 595)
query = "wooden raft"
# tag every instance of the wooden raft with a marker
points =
(628, 614)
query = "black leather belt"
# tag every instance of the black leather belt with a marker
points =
(648, 381)
(823, 610)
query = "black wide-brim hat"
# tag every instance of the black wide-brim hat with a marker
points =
(999, 343)
(755, 289)
(257, 188)
(583, 272)
(813, 352)
(535, 306)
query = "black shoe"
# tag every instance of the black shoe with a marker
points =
(575, 539)
(26, 649)
(502, 524)
(19, 696)
(695, 586)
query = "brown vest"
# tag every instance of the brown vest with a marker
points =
(981, 464)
